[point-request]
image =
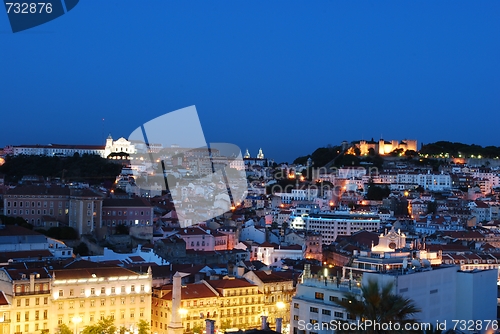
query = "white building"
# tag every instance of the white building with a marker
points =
(332, 224)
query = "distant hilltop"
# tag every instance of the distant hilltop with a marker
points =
(372, 150)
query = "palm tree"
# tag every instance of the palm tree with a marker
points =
(380, 306)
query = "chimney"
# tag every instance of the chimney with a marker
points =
(32, 282)
(263, 324)
(209, 326)
(279, 323)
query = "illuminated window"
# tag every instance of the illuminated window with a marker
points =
(103, 302)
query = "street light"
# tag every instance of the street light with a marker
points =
(76, 320)
(279, 320)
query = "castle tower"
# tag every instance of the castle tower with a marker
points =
(260, 155)
(247, 155)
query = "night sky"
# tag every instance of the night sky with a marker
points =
(287, 76)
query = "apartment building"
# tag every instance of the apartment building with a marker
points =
(92, 294)
(231, 302)
(29, 291)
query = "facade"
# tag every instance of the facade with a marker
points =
(278, 291)
(128, 212)
(45, 206)
(230, 302)
(92, 294)
(30, 293)
(332, 224)
(315, 303)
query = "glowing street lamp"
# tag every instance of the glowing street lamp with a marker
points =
(76, 320)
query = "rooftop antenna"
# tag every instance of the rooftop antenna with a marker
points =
(103, 139)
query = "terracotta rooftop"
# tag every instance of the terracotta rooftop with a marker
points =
(191, 291)
(3, 299)
(230, 283)
(93, 272)
(269, 277)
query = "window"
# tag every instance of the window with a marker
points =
(60, 306)
(122, 290)
(142, 288)
(103, 302)
(141, 312)
(334, 299)
(295, 305)
(132, 288)
(18, 316)
(27, 316)
(122, 301)
(313, 309)
(82, 291)
(71, 304)
(18, 302)
(113, 290)
(45, 314)
(338, 314)
(318, 295)
(326, 312)
(27, 302)
(71, 291)
(132, 300)
(142, 299)
(37, 315)
(91, 317)
(82, 303)
(132, 314)
(103, 290)
(45, 300)
(296, 317)
(112, 301)
(92, 291)
(92, 303)
(37, 301)
(61, 293)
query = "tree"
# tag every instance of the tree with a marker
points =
(63, 329)
(379, 304)
(197, 328)
(82, 249)
(104, 326)
(431, 207)
(143, 327)
(225, 324)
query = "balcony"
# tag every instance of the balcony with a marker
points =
(30, 293)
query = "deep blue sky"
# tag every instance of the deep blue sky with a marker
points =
(287, 76)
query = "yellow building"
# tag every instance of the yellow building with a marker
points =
(83, 296)
(278, 292)
(29, 294)
(5, 308)
(231, 302)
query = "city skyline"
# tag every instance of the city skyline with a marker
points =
(273, 75)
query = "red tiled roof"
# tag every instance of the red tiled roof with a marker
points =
(190, 291)
(93, 272)
(267, 277)
(230, 283)
(3, 299)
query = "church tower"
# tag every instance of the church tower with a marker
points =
(260, 155)
(109, 146)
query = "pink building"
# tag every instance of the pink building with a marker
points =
(199, 239)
